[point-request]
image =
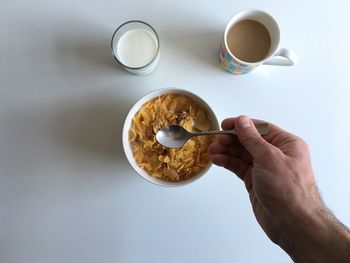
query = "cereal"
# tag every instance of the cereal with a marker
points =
(161, 162)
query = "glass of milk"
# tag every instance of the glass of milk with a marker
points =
(135, 46)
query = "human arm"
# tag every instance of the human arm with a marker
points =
(278, 176)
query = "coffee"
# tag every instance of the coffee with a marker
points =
(249, 40)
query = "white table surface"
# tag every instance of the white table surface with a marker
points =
(67, 193)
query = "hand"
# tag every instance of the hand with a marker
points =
(276, 171)
(277, 174)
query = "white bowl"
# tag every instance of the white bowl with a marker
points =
(127, 124)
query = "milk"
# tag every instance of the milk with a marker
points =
(136, 48)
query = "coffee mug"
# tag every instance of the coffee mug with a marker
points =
(275, 55)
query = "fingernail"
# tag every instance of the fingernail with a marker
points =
(244, 122)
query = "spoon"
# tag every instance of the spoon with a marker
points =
(174, 136)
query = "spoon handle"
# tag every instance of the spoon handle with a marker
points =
(262, 128)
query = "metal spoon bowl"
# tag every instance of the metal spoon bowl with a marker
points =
(175, 136)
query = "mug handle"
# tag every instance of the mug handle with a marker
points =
(283, 57)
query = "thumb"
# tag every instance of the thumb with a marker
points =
(250, 138)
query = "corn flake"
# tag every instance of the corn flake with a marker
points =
(161, 162)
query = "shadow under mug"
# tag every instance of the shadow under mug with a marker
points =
(277, 56)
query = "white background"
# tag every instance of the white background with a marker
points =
(67, 193)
